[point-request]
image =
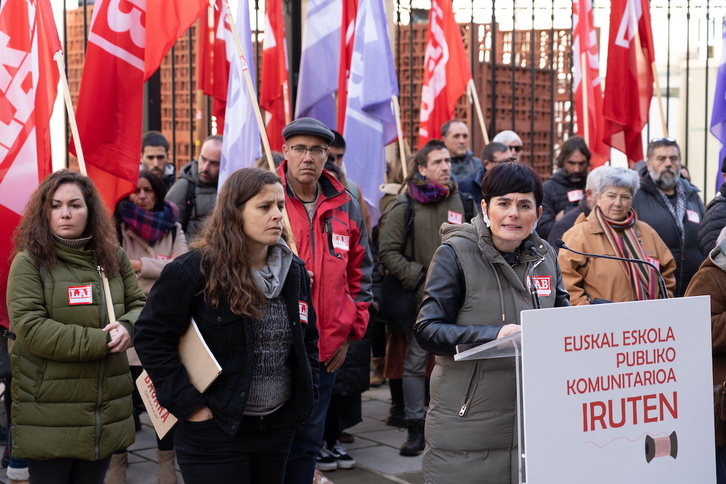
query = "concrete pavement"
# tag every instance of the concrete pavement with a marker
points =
(375, 449)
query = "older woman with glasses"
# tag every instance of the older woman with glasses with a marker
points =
(613, 229)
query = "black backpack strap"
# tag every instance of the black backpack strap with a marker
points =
(467, 200)
(191, 204)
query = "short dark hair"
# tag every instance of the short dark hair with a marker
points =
(154, 138)
(422, 155)
(506, 178)
(338, 141)
(158, 186)
(493, 147)
(659, 143)
(445, 127)
(573, 144)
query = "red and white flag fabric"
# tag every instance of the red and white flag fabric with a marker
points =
(28, 87)
(213, 63)
(350, 12)
(587, 82)
(446, 71)
(126, 43)
(274, 82)
(629, 79)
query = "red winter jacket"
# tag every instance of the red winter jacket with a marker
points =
(335, 248)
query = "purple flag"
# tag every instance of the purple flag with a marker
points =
(718, 115)
(319, 62)
(370, 123)
(241, 142)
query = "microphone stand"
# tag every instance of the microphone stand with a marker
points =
(532, 249)
(661, 282)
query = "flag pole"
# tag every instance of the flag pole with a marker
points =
(399, 132)
(585, 106)
(660, 100)
(480, 115)
(58, 56)
(258, 114)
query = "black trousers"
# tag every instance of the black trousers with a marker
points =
(68, 471)
(256, 453)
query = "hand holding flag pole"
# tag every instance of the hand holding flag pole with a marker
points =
(258, 114)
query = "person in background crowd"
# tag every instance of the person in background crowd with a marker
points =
(475, 290)
(250, 297)
(395, 349)
(336, 153)
(566, 188)
(331, 237)
(455, 135)
(613, 229)
(493, 154)
(511, 139)
(584, 207)
(155, 157)
(715, 217)
(195, 192)
(710, 280)
(672, 206)
(431, 200)
(151, 236)
(71, 381)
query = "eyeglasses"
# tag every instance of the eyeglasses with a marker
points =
(516, 148)
(315, 151)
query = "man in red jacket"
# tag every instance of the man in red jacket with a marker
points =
(331, 238)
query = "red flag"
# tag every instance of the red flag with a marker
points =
(587, 83)
(28, 88)
(125, 46)
(274, 85)
(213, 63)
(350, 12)
(629, 81)
(446, 71)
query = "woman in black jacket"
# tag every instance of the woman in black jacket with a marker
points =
(250, 297)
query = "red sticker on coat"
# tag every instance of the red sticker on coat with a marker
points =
(543, 285)
(80, 295)
(575, 195)
(693, 216)
(455, 218)
(303, 310)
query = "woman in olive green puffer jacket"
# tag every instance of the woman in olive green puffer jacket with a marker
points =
(71, 386)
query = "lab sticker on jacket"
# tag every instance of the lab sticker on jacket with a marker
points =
(693, 216)
(455, 218)
(543, 285)
(575, 195)
(80, 295)
(303, 310)
(341, 242)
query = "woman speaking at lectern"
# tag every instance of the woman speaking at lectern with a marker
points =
(480, 279)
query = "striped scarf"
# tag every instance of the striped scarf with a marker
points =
(624, 241)
(151, 226)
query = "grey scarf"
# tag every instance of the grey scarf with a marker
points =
(270, 278)
(679, 211)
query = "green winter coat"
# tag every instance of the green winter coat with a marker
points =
(427, 221)
(71, 397)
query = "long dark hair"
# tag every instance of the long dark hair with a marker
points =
(34, 235)
(226, 259)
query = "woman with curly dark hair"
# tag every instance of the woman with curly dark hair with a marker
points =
(250, 297)
(71, 381)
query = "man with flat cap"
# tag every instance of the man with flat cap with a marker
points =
(331, 238)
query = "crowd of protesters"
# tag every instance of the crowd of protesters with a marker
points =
(298, 315)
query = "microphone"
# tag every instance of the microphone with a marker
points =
(661, 282)
(532, 249)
